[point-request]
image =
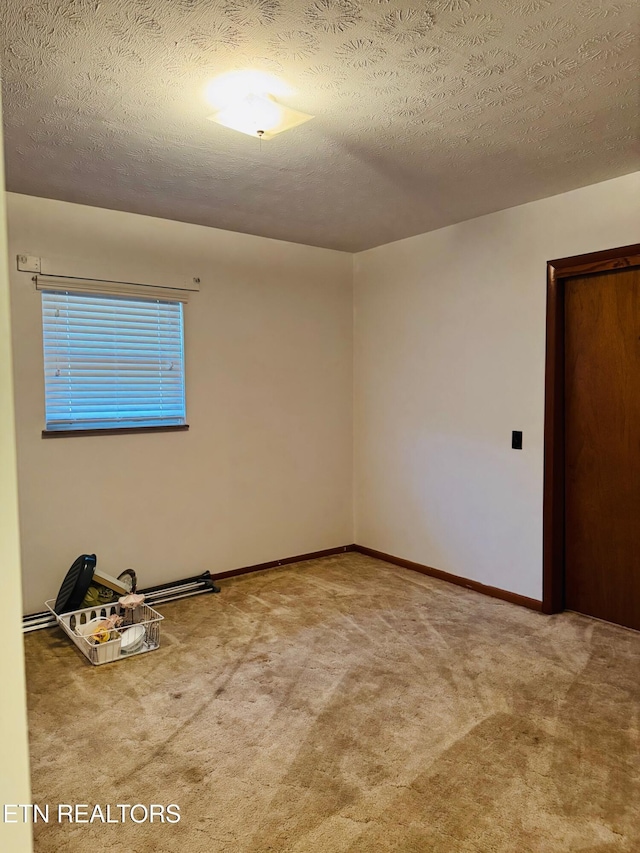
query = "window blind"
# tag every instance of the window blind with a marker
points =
(112, 361)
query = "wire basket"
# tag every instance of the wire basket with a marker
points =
(111, 650)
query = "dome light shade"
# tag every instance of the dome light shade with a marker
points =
(259, 115)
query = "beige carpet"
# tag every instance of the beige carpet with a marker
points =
(342, 706)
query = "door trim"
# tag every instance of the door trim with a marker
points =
(553, 531)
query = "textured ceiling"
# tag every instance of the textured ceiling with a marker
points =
(427, 113)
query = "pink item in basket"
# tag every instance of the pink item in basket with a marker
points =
(131, 601)
(129, 604)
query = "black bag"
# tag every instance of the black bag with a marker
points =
(76, 583)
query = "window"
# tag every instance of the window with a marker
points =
(112, 362)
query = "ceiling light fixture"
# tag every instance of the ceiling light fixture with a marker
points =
(259, 115)
(246, 102)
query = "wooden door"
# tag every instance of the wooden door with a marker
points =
(602, 446)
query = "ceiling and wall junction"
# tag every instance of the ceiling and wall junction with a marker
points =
(426, 113)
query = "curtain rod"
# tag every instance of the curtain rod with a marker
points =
(35, 279)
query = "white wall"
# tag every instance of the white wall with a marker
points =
(449, 358)
(265, 470)
(14, 757)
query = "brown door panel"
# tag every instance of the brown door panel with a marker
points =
(602, 446)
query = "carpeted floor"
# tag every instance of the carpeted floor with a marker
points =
(346, 706)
